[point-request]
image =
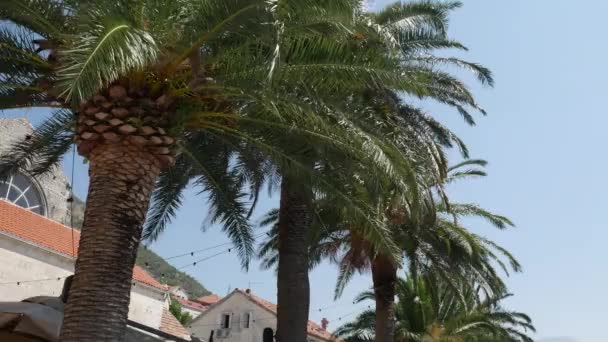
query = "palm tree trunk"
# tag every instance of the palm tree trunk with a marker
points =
(384, 275)
(293, 284)
(122, 179)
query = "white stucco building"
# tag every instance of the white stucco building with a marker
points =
(177, 291)
(244, 317)
(193, 307)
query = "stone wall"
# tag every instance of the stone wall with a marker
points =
(54, 186)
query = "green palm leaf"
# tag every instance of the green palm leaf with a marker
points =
(101, 56)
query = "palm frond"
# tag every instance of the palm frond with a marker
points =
(167, 198)
(468, 162)
(483, 74)
(425, 13)
(19, 55)
(346, 272)
(413, 42)
(224, 194)
(461, 209)
(44, 17)
(43, 150)
(109, 50)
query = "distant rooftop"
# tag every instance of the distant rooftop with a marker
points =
(209, 299)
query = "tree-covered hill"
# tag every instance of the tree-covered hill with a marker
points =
(167, 274)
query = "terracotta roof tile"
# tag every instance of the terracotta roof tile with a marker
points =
(142, 276)
(191, 304)
(46, 233)
(171, 325)
(313, 328)
(209, 299)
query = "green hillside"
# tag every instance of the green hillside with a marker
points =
(167, 274)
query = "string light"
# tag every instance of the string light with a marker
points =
(321, 309)
(191, 253)
(31, 281)
(204, 259)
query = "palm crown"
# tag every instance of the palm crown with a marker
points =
(429, 309)
(436, 242)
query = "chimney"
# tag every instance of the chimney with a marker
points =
(248, 291)
(324, 323)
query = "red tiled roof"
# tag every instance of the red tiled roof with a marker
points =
(313, 328)
(208, 299)
(46, 233)
(191, 304)
(171, 325)
(144, 277)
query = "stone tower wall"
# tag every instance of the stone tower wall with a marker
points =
(54, 185)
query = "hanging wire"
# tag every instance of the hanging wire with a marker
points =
(204, 259)
(32, 281)
(198, 251)
(206, 249)
(326, 308)
(19, 282)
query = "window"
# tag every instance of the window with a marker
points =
(246, 320)
(22, 191)
(225, 321)
(268, 335)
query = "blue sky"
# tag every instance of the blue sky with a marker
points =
(543, 137)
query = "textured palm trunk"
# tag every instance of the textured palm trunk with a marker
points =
(384, 275)
(122, 178)
(293, 283)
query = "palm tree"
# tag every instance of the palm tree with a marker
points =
(159, 94)
(435, 242)
(409, 32)
(414, 30)
(432, 239)
(429, 309)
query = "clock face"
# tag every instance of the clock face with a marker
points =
(21, 190)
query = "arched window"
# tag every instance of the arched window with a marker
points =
(268, 335)
(21, 190)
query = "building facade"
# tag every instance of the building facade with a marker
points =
(244, 317)
(192, 307)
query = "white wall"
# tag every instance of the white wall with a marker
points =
(178, 291)
(21, 261)
(146, 306)
(236, 304)
(192, 312)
